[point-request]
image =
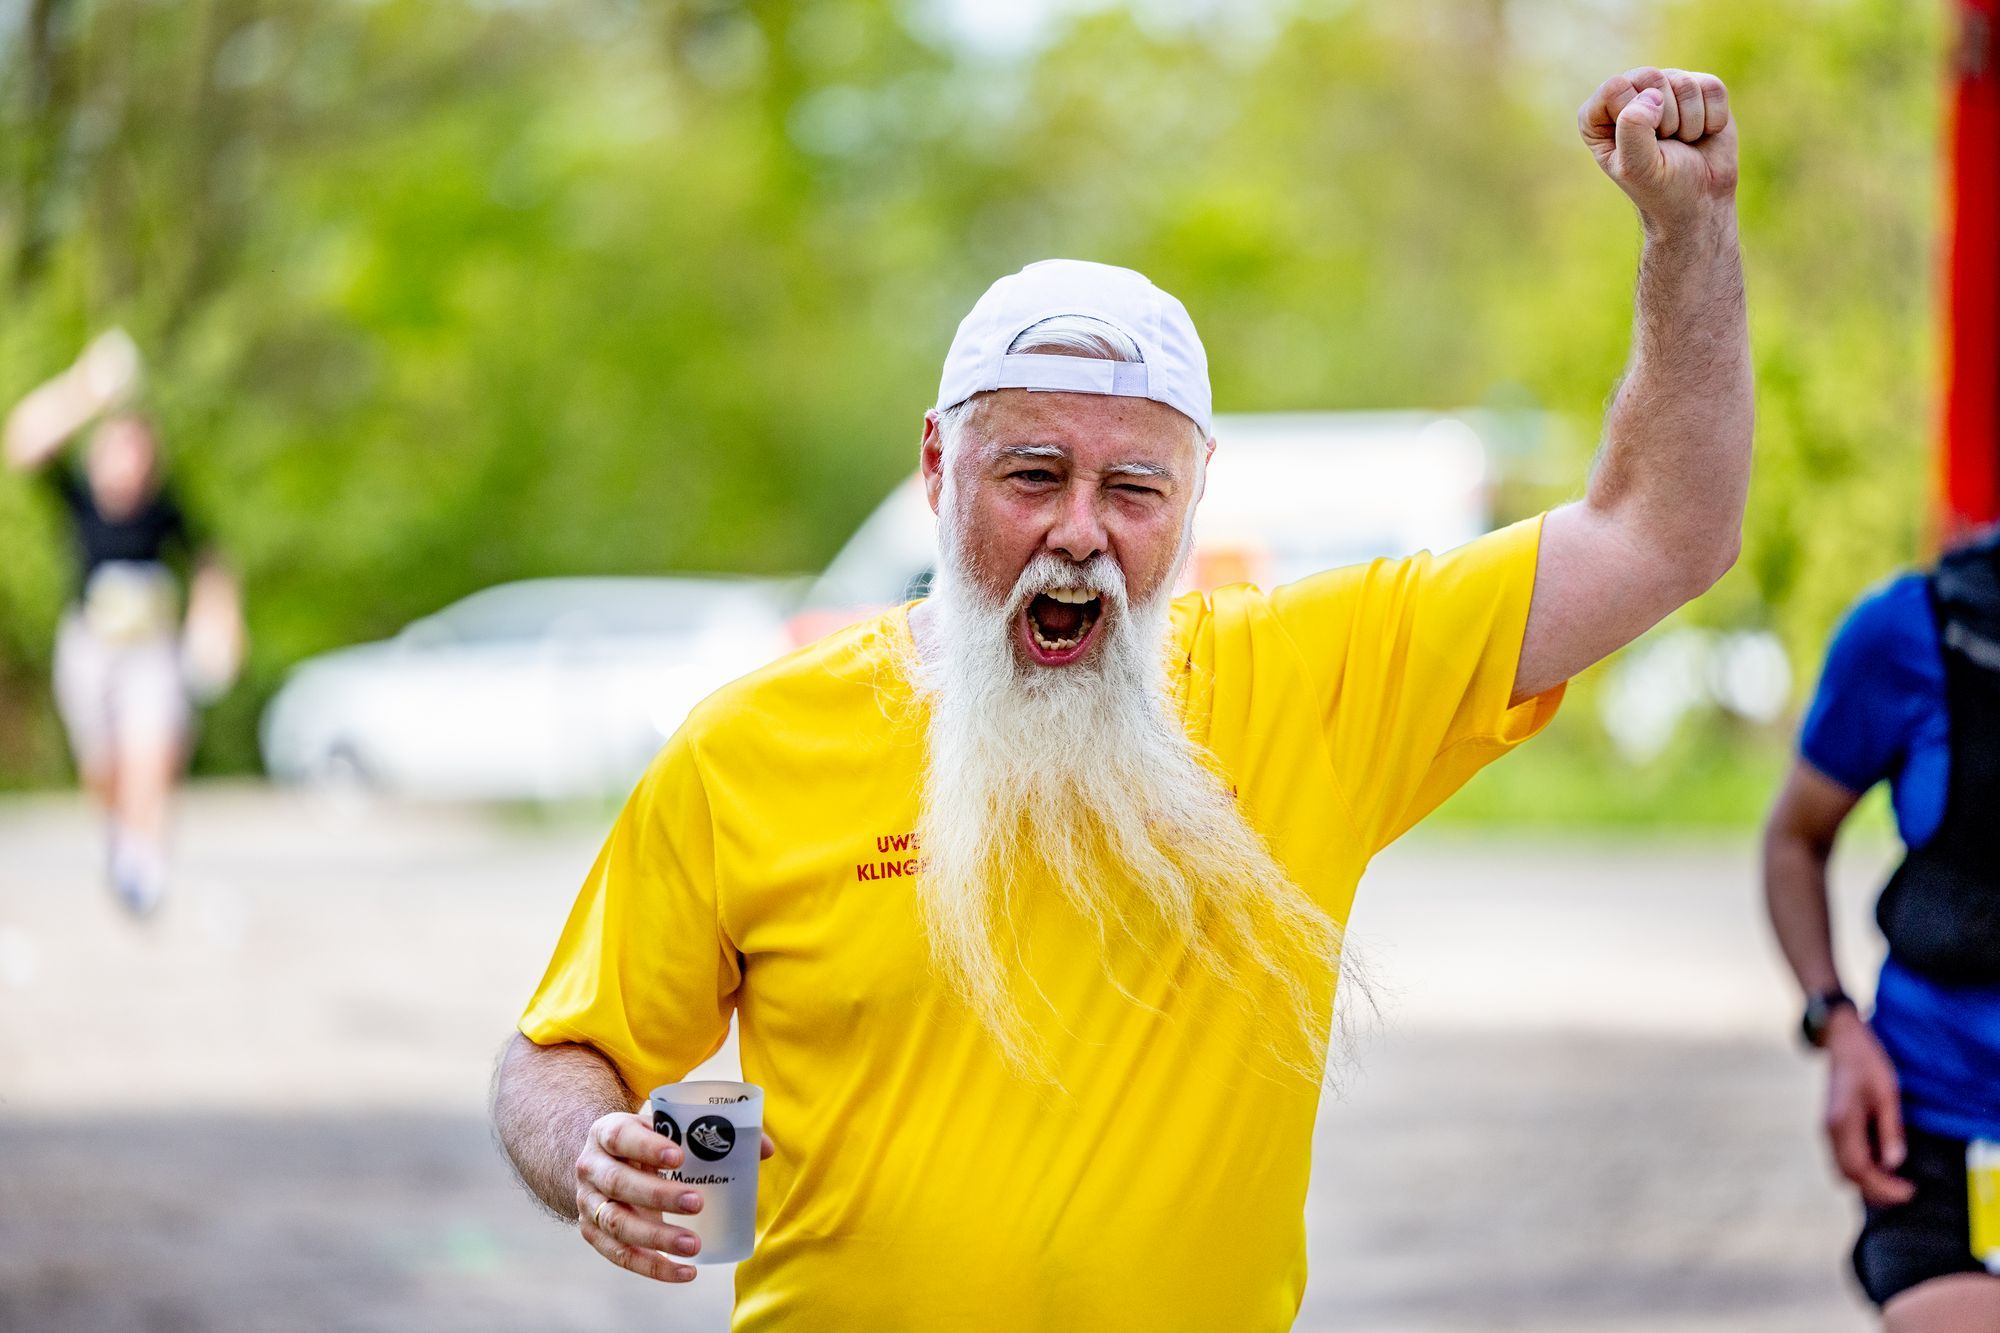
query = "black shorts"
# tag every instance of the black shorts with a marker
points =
(1931, 1235)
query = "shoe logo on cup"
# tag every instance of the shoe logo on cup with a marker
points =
(711, 1137)
(664, 1124)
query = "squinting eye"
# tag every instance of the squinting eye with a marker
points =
(1033, 474)
(1138, 490)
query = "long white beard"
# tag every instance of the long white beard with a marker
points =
(1083, 778)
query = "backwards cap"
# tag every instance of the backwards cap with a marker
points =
(1174, 370)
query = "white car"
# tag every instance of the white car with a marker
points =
(1289, 494)
(544, 689)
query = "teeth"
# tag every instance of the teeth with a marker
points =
(1052, 645)
(1073, 597)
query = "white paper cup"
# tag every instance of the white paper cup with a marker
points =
(720, 1128)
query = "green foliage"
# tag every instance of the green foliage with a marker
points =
(441, 294)
(1718, 774)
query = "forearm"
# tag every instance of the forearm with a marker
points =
(44, 421)
(211, 582)
(545, 1099)
(1674, 471)
(1795, 897)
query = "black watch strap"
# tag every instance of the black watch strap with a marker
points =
(1820, 1009)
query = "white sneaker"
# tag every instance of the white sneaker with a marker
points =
(138, 875)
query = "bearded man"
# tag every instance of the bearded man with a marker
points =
(1027, 897)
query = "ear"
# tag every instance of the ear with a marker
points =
(930, 459)
(1207, 457)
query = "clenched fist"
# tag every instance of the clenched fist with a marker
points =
(1667, 138)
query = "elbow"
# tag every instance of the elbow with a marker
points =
(506, 1071)
(1693, 566)
(1780, 840)
(1715, 559)
(1790, 839)
(1782, 849)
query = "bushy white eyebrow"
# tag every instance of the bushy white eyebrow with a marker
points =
(1041, 452)
(1160, 470)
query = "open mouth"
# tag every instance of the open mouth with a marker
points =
(1056, 626)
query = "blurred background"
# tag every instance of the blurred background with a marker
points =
(520, 353)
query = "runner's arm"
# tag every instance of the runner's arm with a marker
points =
(44, 421)
(214, 637)
(1662, 517)
(565, 1119)
(1864, 1115)
(1798, 841)
(545, 1099)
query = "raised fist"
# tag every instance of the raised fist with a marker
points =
(1667, 138)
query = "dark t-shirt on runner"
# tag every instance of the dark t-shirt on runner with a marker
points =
(157, 532)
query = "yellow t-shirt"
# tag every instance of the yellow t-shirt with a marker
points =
(763, 866)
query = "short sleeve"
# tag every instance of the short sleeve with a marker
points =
(1414, 663)
(643, 971)
(1872, 687)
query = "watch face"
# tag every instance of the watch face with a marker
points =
(1819, 1012)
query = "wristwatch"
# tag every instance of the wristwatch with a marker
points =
(1820, 1008)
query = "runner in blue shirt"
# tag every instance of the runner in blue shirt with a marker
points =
(1908, 1087)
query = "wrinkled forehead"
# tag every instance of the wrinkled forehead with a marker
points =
(1088, 430)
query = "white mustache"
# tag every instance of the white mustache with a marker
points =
(1048, 571)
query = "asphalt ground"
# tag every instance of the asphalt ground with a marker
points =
(1578, 1107)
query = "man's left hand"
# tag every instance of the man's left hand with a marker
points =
(1667, 138)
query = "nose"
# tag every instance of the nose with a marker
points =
(1079, 529)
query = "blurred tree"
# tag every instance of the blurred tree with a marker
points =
(441, 294)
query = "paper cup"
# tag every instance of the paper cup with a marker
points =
(720, 1128)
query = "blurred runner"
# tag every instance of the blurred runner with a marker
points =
(1911, 694)
(127, 666)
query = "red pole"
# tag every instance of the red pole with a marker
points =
(1971, 456)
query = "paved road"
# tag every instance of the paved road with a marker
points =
(1576, 1110)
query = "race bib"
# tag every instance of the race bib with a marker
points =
(1982, 1184)
(126, 601)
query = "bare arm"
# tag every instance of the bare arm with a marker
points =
(1798, 841)
(1662, 517)
(44, 421)
(545, 1099)
(1864, 1118)
(214, 639)
(565, 1119)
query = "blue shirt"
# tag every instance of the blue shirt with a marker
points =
(1880, 713)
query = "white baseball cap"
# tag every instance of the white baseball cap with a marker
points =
(1174, 370)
